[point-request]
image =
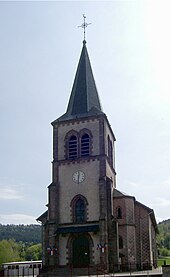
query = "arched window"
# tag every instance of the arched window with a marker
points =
(120, 242)
(85, 145)
(80, 211)
(119, 213)
(72, 147)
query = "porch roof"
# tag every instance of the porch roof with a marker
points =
(77, 229)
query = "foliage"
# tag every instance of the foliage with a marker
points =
(25, 233)
(9, 251)
(163, 238)
(19, 243)
(34, 252)
(164, 252)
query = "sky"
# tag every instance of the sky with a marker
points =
(40, 44)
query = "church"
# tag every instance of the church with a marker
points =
(88, 221)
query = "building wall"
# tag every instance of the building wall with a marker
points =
(108, 132)
(137, 231)
(126, 227)
(143, 226)
(96, 250)
(63, 253)
(153, 245)
(63, 189)
(63, 129)
(89, 188)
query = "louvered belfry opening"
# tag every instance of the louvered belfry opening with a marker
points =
(72, 145)
(85, 145)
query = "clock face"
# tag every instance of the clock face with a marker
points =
(78, 176)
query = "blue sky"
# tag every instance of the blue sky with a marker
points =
(128, 44)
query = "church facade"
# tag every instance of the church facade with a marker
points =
(88, 221)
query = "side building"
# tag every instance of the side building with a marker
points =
(88, 221)
(137, 229)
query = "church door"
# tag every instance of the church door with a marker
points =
(81, 255)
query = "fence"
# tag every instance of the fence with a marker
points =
(145, 269)
(22, 269)
(34, 268)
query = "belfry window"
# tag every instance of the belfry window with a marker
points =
(72, 145)
(80, 209)
(85, 145)
(78, 144)
(119, 213)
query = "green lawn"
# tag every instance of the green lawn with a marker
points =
(163, 260)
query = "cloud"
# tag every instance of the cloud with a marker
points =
(166, 183)
(162, 202)
(133, 184)
(9, 193)
(17, 219)
(159, 219)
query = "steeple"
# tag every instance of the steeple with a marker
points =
(84, 100)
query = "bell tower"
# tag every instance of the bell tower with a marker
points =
(78, 228)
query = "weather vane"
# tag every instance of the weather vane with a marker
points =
(84, 26)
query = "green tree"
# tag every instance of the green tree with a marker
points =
(164, 252)
(167, 241)
(163, 238)
(34, 252)
(9, 251)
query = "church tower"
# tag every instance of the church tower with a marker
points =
(78, 228)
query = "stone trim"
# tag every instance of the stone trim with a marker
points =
(77, 120)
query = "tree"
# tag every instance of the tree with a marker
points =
(163, 238)
(164, 252)
(25, 233)
(9, 251)
(34, 252)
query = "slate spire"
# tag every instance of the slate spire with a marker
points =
(84, 99)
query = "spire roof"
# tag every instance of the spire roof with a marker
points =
(84, 100)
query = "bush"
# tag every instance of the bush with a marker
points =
(164, 252)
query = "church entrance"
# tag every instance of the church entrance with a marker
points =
(81, 255)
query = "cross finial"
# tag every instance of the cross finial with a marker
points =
(84, 26)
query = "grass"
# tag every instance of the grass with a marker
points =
(164, 260)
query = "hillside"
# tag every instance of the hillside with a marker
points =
(25, 233)
(32, 233)
(163, 237)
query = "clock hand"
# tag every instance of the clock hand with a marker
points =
(78, 177)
